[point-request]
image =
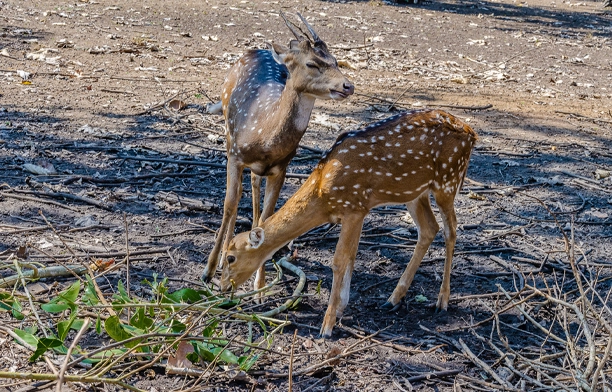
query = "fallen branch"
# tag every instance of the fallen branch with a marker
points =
(69, 196)
(37, 200)
(70, 378)
(194, 163)
(190, 204)
(48, 272)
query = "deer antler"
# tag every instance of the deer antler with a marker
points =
(294, 29)
(314, 35)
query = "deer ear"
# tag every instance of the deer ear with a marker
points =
(256, 237)
(279, 52)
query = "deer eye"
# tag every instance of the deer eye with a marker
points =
(231, 259)
(313, 66)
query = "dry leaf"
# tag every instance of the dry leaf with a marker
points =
(597, 214)
(333, 352)
(39, 170)
(179, 359)
(100, 265)
(4, 52)
(64, 43)
(509, 163)
(308, 344)
(44, 55)
(599, 174)
(86, 221)
(346, 64)
(476, 196)
(177, 104)
(149, 69)
(459, 79)
(22, 252)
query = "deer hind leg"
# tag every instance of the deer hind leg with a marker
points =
(420, 211)
(230, 210)
(274, 183)
(446, 205)
(342, 267)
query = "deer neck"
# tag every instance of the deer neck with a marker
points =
(302, 212)
(295, 108)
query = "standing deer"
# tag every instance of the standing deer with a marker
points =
(398, 160)
(267, 99)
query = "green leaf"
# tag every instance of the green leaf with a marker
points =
(90, 297)
(228, 304)
(203, 351)
(141, 320)
(260, 322)
(17, 310)
(65, 300)
(294, 304)
(209, 352)
(27, 337)
(63, 327)
(121, 289)
(186, 295)
(63, 350)
(210, 329)
(99, 325)
(421, 298)
(246, 362)
(43, 345)
(77, 324)
(226, 355)
(115, 352)
(133, 331)
(54, 307)
(177, 327)
(72, 293)
(117, 332)
(193, 357)
(6, 301)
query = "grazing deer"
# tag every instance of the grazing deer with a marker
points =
(267, 99)
(400, 160)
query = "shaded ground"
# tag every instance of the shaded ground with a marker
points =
(88, 109)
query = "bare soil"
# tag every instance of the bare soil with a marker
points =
(541, 69)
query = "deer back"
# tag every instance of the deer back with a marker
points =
(394, 161)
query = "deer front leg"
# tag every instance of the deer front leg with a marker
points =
(342, 267)
(230, 210)
(256, 195)
(274, 183)
(420, 211)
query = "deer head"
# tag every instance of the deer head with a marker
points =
(313, 70)
(248, 243)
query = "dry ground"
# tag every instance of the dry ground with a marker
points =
(98, 68)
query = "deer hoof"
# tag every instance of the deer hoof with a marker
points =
(388, 306)
(323, 336)
(440, 310)
(205, 276)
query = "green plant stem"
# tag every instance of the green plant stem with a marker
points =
(296, 292)
(27, 292)
(70, 378)
(62, 372)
